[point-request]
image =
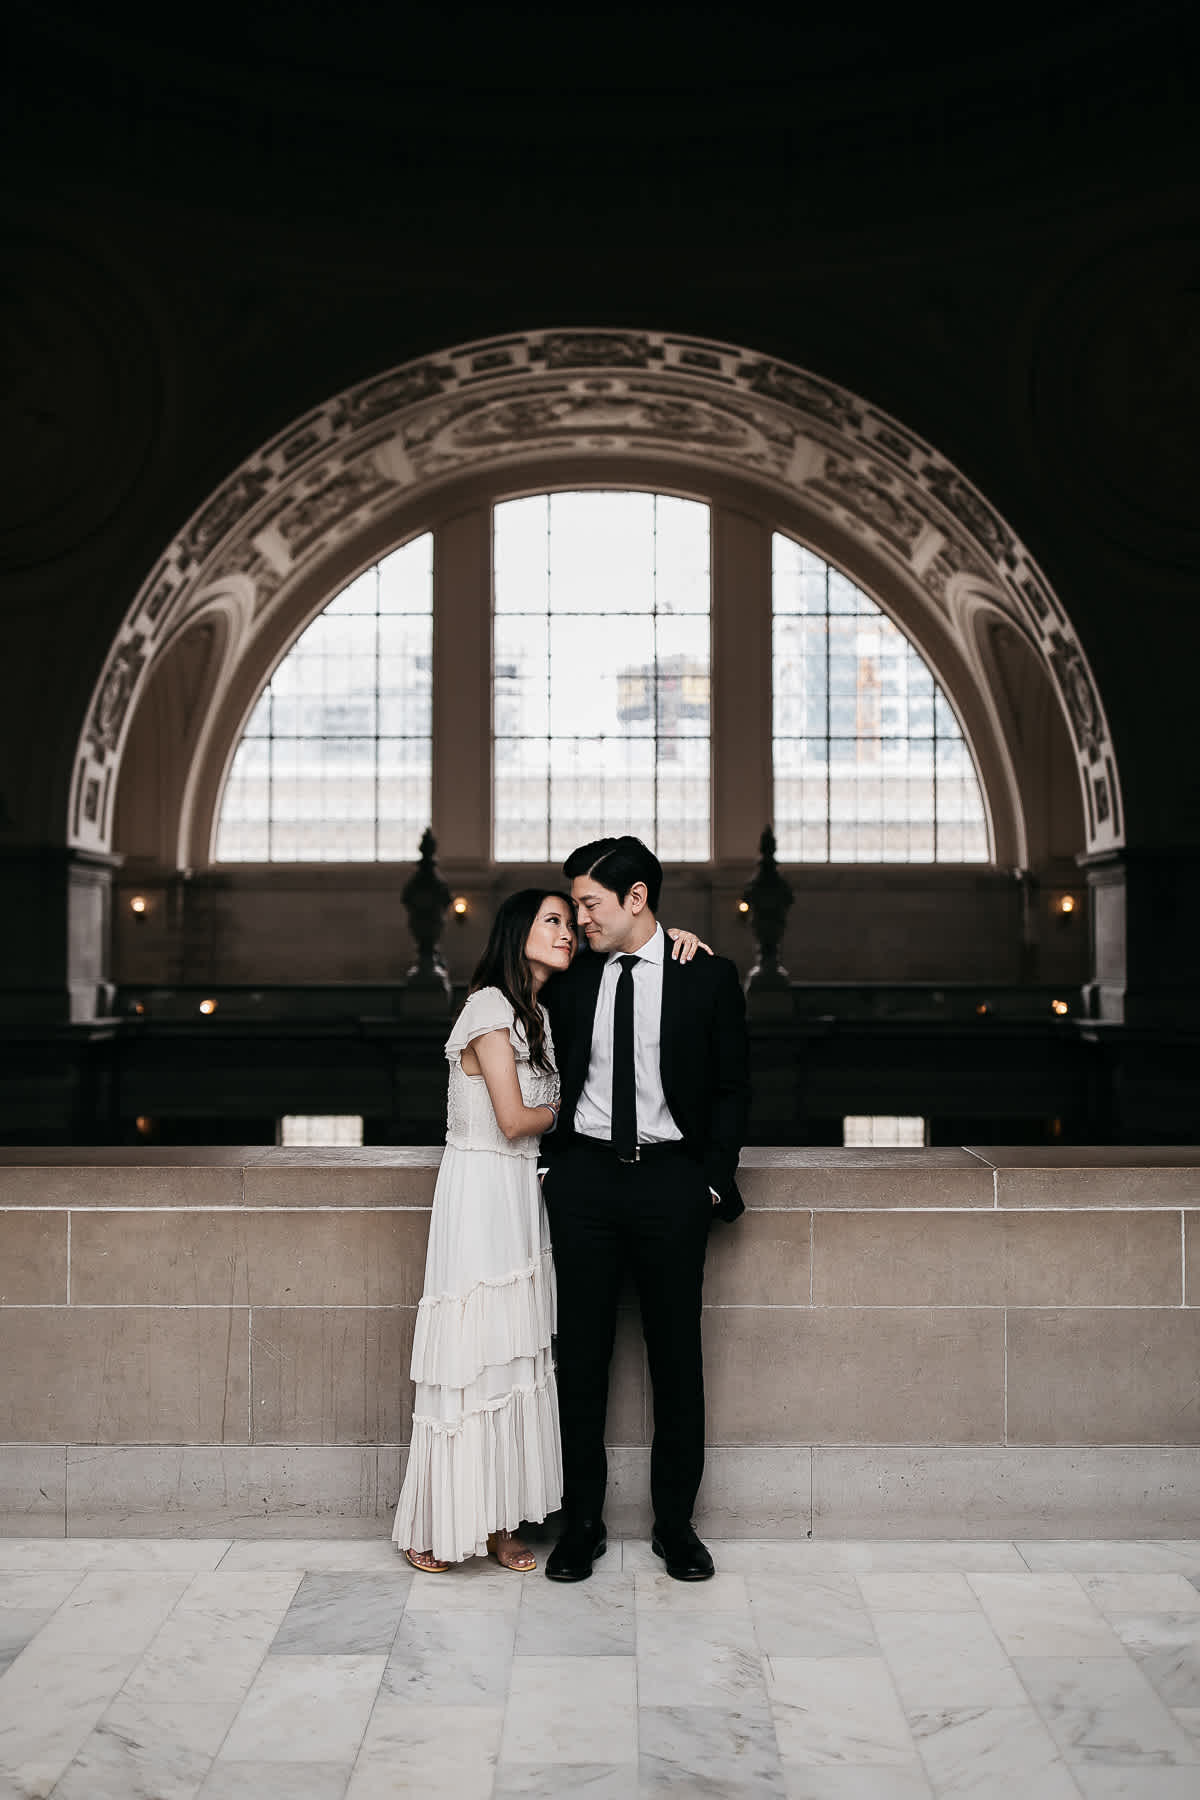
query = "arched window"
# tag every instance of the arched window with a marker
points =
(601, 674)
(870, 762)
(600, 634)
(335, 763)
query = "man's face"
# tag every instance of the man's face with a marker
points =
(607, 923)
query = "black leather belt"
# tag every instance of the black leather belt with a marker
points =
(642, 1152)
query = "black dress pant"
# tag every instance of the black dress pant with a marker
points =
(651, 1218)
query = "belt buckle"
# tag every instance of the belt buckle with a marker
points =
(635, 1158)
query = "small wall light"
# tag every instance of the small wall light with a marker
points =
(1066, 903)
(1060, 1007)
(208, 1006)
(461, 906)
(143, 1125)
(983, 1008)
(139, 1008)
(137, 906)
(743, 906)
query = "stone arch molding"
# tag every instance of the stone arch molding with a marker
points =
(343, 467)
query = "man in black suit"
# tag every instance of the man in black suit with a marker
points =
(652, 1058)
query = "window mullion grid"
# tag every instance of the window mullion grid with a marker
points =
(657, 669)
(549, 837)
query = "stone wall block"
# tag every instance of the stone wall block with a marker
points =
(268, 1258)
(1104, 1376)
(33, 1258)
(925, 1181)
(343, 1184)
(112, 1375)
(1030, 1259)
(89, 1185)
(762, 1259)
(871, 1492)
(33, 1490)
(1092, 1185)
(791, 1375)
(331, 1375)
(223, 1489)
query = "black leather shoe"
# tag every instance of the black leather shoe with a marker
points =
(684, 1554)
(576, 1550)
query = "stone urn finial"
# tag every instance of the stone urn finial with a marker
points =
(426, 897)
(769, 899)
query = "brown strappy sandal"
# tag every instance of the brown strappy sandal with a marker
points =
(510, 1552)
(426, 1562)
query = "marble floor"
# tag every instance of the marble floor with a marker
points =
(218, 1669)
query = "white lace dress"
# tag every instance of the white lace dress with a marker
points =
(485, 1450)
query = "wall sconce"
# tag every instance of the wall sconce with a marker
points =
(460, 906)
(208, 1006)
(1065, 906)
(144, 1125)
(983, 1008)
(1060, 1007)
(743, 907)
(137, 907)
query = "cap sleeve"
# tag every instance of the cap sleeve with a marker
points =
(486, 1010)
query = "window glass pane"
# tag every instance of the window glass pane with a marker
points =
(870, 762)
(522, 552)
(335, 762)
(342, 1130)
(602, 668)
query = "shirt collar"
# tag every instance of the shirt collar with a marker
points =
(653, 951)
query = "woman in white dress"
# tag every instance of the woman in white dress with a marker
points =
(485, 1450)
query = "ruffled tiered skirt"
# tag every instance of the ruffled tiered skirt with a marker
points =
(485, 1449)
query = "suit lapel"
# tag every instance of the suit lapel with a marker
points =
(591, 972)
(671, 998)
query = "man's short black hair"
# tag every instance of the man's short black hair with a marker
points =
(616, 863)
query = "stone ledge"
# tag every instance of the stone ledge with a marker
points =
(265, 1178)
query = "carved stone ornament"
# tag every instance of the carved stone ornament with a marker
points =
(112, 702)
(1082, 703)
(709, 406)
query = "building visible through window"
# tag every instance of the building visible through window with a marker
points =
(602, 664)
(870, 762)
(335, 763)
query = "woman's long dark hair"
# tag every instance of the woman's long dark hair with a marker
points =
(504, 964)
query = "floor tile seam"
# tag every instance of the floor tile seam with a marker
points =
(353, 1763)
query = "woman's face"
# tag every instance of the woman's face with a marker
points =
(551, 941)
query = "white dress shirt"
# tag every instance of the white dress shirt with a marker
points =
(593, 1114)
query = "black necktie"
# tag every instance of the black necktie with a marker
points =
(624, 1088)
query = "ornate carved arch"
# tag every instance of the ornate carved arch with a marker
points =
(332, 477)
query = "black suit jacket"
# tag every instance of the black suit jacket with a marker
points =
(703, 1059)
